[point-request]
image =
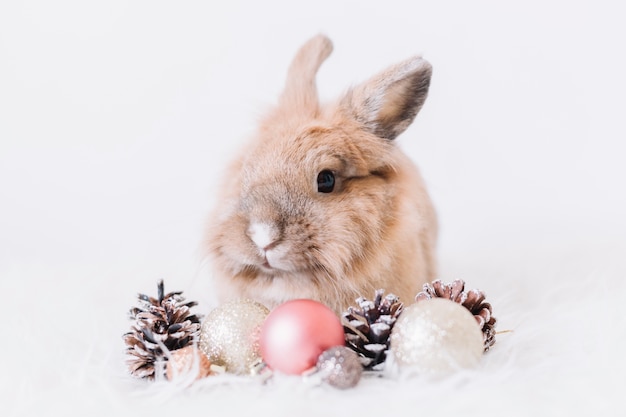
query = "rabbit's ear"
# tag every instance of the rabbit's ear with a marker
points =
(300, 91)
(387, 103)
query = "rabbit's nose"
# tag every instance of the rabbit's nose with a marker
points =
(263, 235)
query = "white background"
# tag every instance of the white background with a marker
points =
(116, 118)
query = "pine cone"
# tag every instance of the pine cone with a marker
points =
(161, 325)
(367, 328)
(473, 300)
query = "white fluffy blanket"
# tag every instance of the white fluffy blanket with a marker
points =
(115, 122)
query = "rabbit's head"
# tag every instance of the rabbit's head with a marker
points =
(321, 203)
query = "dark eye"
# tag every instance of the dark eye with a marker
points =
(325, 181)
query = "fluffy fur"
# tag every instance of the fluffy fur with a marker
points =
(274, 237)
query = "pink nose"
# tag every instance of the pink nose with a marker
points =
(263, 235)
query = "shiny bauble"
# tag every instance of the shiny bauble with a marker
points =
(187, 361)
(436, 336)
(229, 335)
(296, 332)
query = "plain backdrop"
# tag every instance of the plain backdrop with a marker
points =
(117, 117)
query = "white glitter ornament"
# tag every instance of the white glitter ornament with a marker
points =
(436, 336)
(229, 335)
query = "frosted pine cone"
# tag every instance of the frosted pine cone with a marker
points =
(367, 327)
(473, 300)
(161, 325)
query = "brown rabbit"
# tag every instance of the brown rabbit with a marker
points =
(321, 203)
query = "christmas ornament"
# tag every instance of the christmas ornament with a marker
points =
(187, 360)
(435, 337)
(229, 335)
(367, 327)
(296, 332)
(473, 300)
(340, 367)
(161, 325)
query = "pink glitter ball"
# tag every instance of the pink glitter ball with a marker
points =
(296, 332)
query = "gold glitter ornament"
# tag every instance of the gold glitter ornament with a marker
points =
(229, 335)
(436, 336)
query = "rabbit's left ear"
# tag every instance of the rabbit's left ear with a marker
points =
(388, 103)
(300, 93)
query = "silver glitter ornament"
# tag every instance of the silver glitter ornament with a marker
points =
(436, 336)
(340, 367)
(229, 335)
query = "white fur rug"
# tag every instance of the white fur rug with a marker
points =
(116, 120)
(63, 349)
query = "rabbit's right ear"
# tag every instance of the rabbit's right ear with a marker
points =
(300, 93)
(388, 103)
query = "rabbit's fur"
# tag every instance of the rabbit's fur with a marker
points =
(273, 236)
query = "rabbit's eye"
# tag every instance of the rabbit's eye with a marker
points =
(325, 181)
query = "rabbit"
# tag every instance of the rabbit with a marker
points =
(321, 203)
